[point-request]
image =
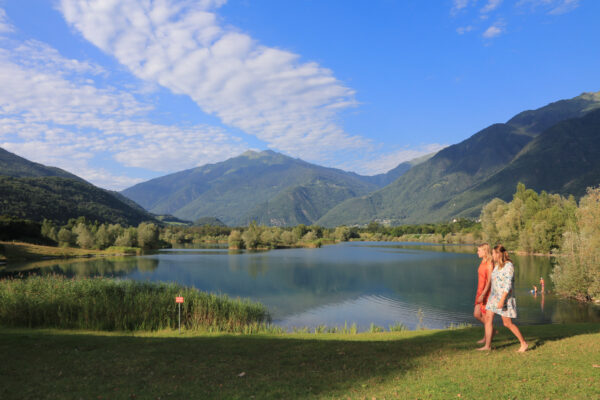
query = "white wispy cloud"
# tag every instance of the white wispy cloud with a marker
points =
(464, 29)
(490, 6)
(458, 5)
(381, 163)
(5, 25)
(52, 113)
(494, 30)
(490, 11)
(554, 7)
(293, 106)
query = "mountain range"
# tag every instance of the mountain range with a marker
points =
(266, 187)
(553, 148)
(550, 148)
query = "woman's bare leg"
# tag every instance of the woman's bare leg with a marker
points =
(515, 330)
(489, 330)
(479, 316)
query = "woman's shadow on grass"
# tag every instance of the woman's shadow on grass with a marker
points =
(226, 366)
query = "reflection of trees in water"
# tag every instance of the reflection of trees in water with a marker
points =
(258, 266)
(147, 264)
(529, 269)
(89, 267)
(428, 283)
(571, 311)
(433, 282)
(440, 248)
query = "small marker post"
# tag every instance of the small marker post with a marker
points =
(179, 300)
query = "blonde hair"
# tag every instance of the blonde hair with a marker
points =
(488, 252)
(504, 255)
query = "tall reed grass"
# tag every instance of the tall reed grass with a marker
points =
(110, 304)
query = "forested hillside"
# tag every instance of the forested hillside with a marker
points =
(440, 188)
(36, 192)
(266, 187)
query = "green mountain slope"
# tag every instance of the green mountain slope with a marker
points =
(427, 192)
(301, 204)
(19, 167)
(534, 122)
(268, 187)
(33, 191)
(59, 199)
(563, 159)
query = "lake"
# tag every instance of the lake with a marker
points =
(356, 282)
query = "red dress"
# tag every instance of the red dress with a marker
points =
(483, 275)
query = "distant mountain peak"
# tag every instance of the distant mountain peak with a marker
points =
(253, 154)
(256, 185)
(250, 154)
(591, 96)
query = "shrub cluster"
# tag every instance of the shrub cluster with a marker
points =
(87, 235)
(577, 273)
(195, 234)
(263, 237)
(531, 222)
(458, 231)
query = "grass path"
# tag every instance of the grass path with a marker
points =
(51, 364)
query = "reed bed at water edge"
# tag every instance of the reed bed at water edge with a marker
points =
(55, 301)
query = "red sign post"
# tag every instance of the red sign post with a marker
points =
(179, 301)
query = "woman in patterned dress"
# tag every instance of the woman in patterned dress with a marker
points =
(502, 300)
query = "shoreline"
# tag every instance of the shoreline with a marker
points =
(13, 252)
(23, 251)
(405, 240)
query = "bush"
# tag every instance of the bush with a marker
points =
(530, 222)
(235, 240)
(578, 271)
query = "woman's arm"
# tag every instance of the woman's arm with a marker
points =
(487, 284)
(502, 300)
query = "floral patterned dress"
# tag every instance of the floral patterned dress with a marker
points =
(503, 281)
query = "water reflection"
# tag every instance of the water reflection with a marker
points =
(84, 267)
(362, 283)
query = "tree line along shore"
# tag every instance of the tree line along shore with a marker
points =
(533, 223)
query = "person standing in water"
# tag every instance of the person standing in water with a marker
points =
(542, 284)
(484, 277)
(502, 300)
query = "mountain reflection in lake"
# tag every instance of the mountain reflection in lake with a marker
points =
(357, 282)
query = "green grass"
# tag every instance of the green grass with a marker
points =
(111, 304)
(51, 364)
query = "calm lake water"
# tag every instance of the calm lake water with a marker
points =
(356, 282)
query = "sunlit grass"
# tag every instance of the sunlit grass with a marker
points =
(426, 364)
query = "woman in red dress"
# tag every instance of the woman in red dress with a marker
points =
(484, 274)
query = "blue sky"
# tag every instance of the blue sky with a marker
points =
(120, 91)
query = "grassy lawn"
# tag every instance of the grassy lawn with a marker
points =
(20, 251)
(54, 364)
